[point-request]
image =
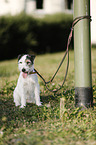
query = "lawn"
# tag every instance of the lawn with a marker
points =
(35, 125)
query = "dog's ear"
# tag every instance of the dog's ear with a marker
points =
(19, 56)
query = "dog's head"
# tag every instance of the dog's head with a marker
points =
(26, 64)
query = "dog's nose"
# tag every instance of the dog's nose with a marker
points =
(23, 70)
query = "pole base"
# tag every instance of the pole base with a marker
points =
(84, 97)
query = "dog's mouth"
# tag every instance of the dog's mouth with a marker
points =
(24, 74)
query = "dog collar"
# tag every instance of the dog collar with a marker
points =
(32, 72)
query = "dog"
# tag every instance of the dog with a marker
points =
(27, 89)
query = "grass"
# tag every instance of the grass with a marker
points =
(42, 125)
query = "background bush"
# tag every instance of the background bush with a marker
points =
(25, 34)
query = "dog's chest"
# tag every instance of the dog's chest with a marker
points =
(29, 82)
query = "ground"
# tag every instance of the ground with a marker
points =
(42, 125)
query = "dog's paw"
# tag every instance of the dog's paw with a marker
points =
(22, 106)
(17, 105)
(39, 104)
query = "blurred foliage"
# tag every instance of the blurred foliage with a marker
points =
(26, 34)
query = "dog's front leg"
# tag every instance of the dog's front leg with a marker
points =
(23, 100)
(37, 95)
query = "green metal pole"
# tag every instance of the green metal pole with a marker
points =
(82, 54)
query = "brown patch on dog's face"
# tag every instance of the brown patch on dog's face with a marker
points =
(28, 62)
(30, 57)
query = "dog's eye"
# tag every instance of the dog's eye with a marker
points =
(20, 62)
(28, 62)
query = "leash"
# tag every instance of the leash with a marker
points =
(75, 21)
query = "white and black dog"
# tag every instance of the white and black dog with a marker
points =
(27, 89)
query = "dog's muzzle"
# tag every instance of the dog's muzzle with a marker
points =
(24, 73)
